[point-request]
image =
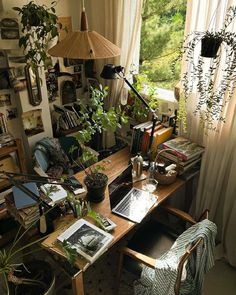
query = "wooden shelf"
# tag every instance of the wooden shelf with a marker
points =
(69, 131)
(15, 148)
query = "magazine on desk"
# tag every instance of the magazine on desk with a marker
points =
(88, 240)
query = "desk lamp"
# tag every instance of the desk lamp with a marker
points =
(110, 72)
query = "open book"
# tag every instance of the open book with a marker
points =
(88, 240)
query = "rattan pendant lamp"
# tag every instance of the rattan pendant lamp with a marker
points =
(84, 44)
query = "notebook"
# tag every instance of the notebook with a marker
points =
(21, 199)
(127, 201)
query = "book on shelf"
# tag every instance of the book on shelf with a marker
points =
(159, 137)
(140, 134)
(184, 148)
(88, 240)
(147, 136)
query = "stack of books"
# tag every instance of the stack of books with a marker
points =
(25, 216)
(186, 153)
(141, 137)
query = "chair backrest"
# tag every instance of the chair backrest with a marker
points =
(189, 252)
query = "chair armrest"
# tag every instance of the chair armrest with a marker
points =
(179, 213)
(148, 261)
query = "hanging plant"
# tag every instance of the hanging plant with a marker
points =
(203, 53)
(39, 26)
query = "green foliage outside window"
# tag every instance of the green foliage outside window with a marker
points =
(162, 34)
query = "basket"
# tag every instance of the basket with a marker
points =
(165, 178)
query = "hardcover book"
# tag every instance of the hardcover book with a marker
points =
(21, 199)
(184, 148)
(88, 240)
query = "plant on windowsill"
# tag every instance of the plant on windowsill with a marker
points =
(136, 109)
(39, 27)
(95, 119)
(201, 51)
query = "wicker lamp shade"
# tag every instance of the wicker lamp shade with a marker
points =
(84, 45)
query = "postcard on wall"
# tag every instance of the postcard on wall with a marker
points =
(88, 240)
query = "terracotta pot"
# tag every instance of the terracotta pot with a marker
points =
(96, 187)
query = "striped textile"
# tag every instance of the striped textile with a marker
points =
(161, 280)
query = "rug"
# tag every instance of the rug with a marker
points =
(100, 278)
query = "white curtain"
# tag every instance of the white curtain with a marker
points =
(120, 22)
(217, 183)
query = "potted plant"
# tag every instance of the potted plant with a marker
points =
(95, 119)
(39, 26)
(136, 109)
(33, 277)
(200, 50)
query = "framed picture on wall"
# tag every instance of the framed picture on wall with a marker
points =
(9, 28)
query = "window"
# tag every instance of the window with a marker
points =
(163, 23)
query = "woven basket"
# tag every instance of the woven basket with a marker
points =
(165, 178)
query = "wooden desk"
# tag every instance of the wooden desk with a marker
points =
(119, 162)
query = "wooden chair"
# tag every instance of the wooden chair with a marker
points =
(153, 240)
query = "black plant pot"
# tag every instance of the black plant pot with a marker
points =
(96, 186)
(210, 46)
(40, 271)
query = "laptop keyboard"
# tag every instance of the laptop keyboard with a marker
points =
(135, 205)
(125, 206)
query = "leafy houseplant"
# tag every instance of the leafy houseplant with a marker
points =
(33, 277)
(137, 109)
(39, 26)
(95, 119)
(201, 75)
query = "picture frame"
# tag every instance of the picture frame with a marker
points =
(33, 86)
(9, 29)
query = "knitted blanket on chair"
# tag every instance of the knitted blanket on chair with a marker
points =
(161, 280)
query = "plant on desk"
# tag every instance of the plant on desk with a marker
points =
(96, 120)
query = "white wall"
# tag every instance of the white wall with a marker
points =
(63, 8)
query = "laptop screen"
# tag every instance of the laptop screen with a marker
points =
(120, 186)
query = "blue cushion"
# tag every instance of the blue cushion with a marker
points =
(41, 159)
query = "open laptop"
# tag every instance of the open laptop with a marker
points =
(127, 201)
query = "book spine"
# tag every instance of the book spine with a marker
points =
(178, 153)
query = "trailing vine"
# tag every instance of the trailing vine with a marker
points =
(201, 76)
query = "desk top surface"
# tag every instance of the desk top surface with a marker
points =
(118, 162)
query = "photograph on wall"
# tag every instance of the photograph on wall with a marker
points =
(3, 124)
(77, 79)
(19, 72)
(9, 28)
(5, 99)
(32, 122)
(78, 68)
(4, 80)
(3, 59)
(11, 113)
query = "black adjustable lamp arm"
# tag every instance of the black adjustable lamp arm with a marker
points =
(154, 115)
(31, 194)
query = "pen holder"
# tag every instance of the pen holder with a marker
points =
(165, 178)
